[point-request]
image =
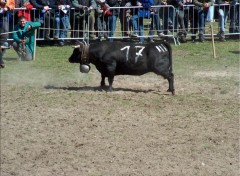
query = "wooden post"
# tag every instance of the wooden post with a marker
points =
(212, 37)
(35, 44)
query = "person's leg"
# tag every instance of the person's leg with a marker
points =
(112, 26)
(16, 47)
(65, 26)
(57, 26)
(135, 21)
(28, 56)
(151, 30)
(91, 25)
(221, 24)
(201, 24)
(47, 25)
(2, 52)
(141, 30)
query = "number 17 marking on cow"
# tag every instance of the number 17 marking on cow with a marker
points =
(139, 53)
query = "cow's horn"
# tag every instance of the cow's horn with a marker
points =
(77, 46)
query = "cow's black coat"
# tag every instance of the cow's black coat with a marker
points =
(119, 58)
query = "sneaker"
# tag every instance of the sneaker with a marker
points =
(61, 44)
(221, 36)
(46, 37)
(92, 36)
(150, 40)
(100, 38)
(134, 35)
(201, 38)
(55, 37)
(160, 34)
(2, 64)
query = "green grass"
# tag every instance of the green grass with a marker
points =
(187, 59)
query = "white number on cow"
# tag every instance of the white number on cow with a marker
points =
(138, 53)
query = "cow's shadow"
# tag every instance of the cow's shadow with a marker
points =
(235, 52)
(104, 89)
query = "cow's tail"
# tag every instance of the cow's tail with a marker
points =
(171, 75)
(169, 48)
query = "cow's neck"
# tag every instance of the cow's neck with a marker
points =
(85, 54)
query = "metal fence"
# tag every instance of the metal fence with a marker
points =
(92, 25)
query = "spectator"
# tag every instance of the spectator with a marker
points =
(155, 21)
(180, 20)
(24, 38)
(234, 19)
(81, 14)
(101, 15)
(43, 15)
(125, 16)
(199, 16)
(3, 48)
(5, 8)
(27, 11)
(112, 19)
(168, 16)
(177, 19)
(187, 9)
(61, 24)
(138, 17)
(221, 16)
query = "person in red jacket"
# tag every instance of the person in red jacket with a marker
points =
(27, 11)
(5, 17)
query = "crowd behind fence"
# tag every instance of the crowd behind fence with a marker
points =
(165, 22)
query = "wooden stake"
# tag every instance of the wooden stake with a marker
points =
(212, 37)
(35, 44)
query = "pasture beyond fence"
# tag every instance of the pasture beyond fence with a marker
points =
(81, 26)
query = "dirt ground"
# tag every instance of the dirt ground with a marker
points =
(67, 129)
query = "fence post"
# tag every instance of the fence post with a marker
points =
(35, 44)
(212, 37)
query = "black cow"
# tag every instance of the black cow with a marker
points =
(120, 58)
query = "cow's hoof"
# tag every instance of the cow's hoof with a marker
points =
(110, 89)
(173, 91)
(2, 65)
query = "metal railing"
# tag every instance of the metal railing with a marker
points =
(84, 25)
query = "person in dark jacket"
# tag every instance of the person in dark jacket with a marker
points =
(124, 17)
(5, 18)
(112, 19)
(222, 10)
(199, 17)
(155, 21)
(79, 18)
(138, 16)
(43, 15)
(61, 24)
(234, 19)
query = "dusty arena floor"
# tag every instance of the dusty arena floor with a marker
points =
(67, 129)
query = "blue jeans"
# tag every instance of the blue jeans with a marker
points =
(155, 25)
(111, 27)
(61, 22)
(138, 26)
(201, 21)
(221, 20)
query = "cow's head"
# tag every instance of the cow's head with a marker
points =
(76, 55)
(80, 55)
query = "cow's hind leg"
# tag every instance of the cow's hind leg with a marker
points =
(110, 80)
(170, 79)
(102, 84)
